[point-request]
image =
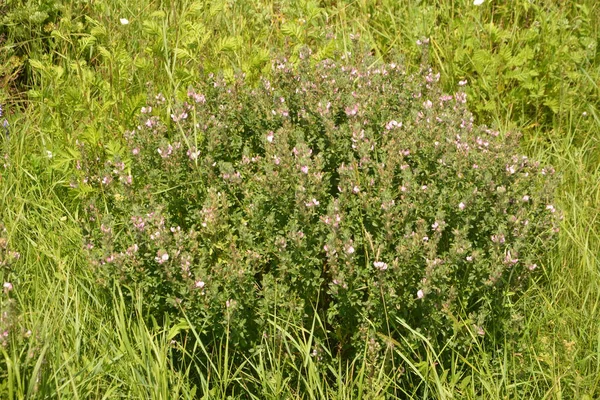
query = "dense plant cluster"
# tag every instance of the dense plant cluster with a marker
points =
(350, 189)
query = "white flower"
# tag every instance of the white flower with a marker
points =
(49, 153)
(420, 294)
(478, 2)
(124, 21)
(199, 284)
(380, 265)
(461, 205)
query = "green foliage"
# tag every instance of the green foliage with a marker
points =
(351, 190)
(70, 71)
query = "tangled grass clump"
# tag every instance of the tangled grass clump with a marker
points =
(347, 189)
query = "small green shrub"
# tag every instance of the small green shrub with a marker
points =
(350, 189)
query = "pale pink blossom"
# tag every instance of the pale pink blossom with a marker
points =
(162, 257)
(380, 265)
(393, 124)
(420, 294)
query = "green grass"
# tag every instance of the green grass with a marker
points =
(75, 71)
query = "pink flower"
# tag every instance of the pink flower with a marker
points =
(508, 259)
(199, 284)
(356, 189)
(380, 265)
(270, 137)
(420, 294)
(461, 205)
(349, 249)
(162, 257)
(498, 238)
(193, 153)
(393, 124)
(525, 198)
(7, 287)
(132, 249)
(313, 202)
(304, 169)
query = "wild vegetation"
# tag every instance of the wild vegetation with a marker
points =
(299, 199)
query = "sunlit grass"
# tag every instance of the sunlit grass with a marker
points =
(91, 79)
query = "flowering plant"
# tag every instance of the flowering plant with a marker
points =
(350, 189)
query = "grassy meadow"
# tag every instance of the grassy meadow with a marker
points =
(83, 69)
